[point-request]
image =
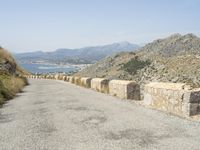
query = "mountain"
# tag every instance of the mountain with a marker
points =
(11, 81)
(76, 56)
(173, 59)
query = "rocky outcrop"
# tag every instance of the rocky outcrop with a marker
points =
(6, 66)
(11, 76)
(7, 63)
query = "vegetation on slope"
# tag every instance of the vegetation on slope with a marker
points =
(11, 80)
(173, 59)
(134, 65)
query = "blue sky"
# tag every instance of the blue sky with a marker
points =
(31, 25)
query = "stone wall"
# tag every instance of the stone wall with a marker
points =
(64, 78)
(124, 89)
(100, 85)
(67, 78)
(56, 76)
(176, 98)
(77, 80)
(86, 82)
(71, 79)
(60, 77)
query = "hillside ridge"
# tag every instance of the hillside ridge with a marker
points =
(84, 55)
(172, 59)
(11, 76)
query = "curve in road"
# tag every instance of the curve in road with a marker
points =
(55, 115)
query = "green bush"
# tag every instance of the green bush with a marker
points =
(134, 65)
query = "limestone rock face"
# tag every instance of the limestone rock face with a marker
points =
(7, 62)
(124, 89)
(100, 85)
(7, 66)
(177, 98)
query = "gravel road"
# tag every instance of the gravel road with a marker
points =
(55, 115)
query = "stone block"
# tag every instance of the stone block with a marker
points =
(100, 85)
(190, 109)
(60, 77)
(67, 78)
(56, 76)
(64, 78)
(177, 98)
(86, 82)
(169, 86)
(51, 76)
(192, 96)
(77, 80)
(71, 79)
(148, 100)
(124, 89)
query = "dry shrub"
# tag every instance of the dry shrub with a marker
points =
(10, 86)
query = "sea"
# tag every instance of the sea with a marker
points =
(48, 68)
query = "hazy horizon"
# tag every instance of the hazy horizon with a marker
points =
(75, 48)
(49, 25)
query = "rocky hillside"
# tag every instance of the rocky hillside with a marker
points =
(173, 59)
(11, 81)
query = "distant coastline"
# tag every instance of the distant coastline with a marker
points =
(41, 67)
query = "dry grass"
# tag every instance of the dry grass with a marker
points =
(10, 83)
(10, 86)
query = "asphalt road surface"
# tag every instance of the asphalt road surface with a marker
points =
(55, 115)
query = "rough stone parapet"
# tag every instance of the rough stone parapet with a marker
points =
(60, 77)
(71, 79)
(177, 98)
(56, 76)
(67, 78)
(86, 82)
(169, 86)
(124, 89)
(64, 78)
(100, 85)
(77, 80)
